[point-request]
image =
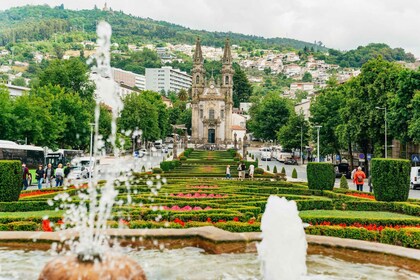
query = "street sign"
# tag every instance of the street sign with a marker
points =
(415, 158)
(361, 156)
(337, 157)
(369, 156)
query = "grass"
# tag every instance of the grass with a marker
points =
(354, 214)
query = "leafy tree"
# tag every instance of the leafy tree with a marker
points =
(6, 110)
(307, 77)
(268, 115)
(139, 113)
(242, 88)
(155, 99)
(414, 123)
(183, 95)
(19, 82)
(71, 74)
(289, 136)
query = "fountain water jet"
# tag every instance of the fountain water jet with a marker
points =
(91, 256)
(283, 248)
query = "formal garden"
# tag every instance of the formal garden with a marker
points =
(193, 192)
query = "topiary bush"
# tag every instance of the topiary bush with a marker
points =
(183, 158)
(321, 176)
(10, 180)
(268, 168)
(275, 169)
(236, 158)
(143, 169)
(343, 183)
(294, 173)
(157, 170)
(391, 179)
(259, 171)
(283, 170)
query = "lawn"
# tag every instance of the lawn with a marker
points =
(354, 214)
(34, 214)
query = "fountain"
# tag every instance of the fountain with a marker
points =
(90, 255)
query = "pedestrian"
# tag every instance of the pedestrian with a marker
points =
(68, 168)
(228, 176)
(240, 171)
(251, 171)
(370, 183)
(359, 178)
(352, 175)
(25, 175)
(39, 176)
(49, 175)
(59, 175)
(29, 179)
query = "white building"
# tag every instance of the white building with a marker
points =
(16, 91)
(167, 79)
(129, 79)
(238, 126)
(304, 108)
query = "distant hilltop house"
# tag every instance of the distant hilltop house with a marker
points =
(16, 91)
(292, 70)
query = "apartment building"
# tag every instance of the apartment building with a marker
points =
(167, 79)
(129, 79)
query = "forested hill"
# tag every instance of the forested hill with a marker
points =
(34, 23)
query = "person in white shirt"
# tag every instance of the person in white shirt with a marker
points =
(251, 171)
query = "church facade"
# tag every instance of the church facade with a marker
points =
(212, 101)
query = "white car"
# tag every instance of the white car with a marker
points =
(265, 154)
(415, 177)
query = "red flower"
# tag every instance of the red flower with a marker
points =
(236, 219)
(46, 225)
(209, 220)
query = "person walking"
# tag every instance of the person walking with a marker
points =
(39, 176)
(240, 171)
(359, 178)
(67, 170)
(25, 175)
(228, 176)
(49, 175)
(59, 175)
(251, 171)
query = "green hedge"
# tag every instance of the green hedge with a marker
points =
(406, 237)
(321, 176)
(10, 180)
(188, 151)
(25, 206)
(157, 170)
(169, 165)
(391, 179)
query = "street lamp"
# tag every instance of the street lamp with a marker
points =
(301, 144)
(386, 145)
(317, 146)
(92, 125)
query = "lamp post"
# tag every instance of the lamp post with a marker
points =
(386, 145)
(92, 125)
(317, 146)
(301, 144)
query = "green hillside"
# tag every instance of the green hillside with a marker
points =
(34, 23)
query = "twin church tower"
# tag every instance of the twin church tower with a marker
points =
(212, 100)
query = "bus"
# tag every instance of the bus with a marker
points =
(31, 155)
(62, 156)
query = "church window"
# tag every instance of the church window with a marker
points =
(211, 114)
(226, 80)
(197, 79)
(222, 114)
(201, 113)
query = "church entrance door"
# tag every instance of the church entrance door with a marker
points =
(212, 136)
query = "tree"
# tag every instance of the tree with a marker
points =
(139, 113)
(6, 110)
(307, 77)
(242, 88)
(105, 121)
(414, 123)
(155, 99)
(71, 74)
(183, 95)
(268, 115)
(19, 82)
(289, 136)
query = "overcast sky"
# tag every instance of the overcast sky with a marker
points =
(340, 24)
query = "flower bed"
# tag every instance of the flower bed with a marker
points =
(185, 208)
(362, 195)
(35, 193)
(202, 187)
(199, 195)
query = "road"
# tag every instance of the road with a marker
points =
(301, 171)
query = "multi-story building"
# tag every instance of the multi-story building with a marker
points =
(129, 79)
(167, 79)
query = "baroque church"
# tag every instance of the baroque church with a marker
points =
(212, 101)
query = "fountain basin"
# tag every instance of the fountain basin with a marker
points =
(214, 241)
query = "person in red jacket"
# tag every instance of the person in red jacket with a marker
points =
(359, 178)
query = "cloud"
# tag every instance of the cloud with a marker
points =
(341, 24)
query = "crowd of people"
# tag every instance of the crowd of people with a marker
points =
(47, 175)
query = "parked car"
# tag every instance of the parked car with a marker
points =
(170, 146)
(291, 161)
(265, 154)
(140, 153)
(415, 177)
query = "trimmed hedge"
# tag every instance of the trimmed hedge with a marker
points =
(391, 179)
(169, 165)
(10, 180)
(294, 173)
(188, 151)
(343, 183)
(25, 206)
(157, 170)
(406, 237)
(321, 176)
